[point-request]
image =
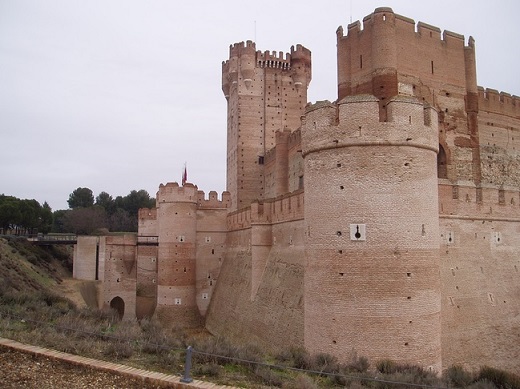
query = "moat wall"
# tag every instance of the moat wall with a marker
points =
(259, 294)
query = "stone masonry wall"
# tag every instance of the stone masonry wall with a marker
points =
(120, 273)
(480, 276)
(275, 310)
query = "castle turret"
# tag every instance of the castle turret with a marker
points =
(266, 92)
(177, 236)
(372, 280)
(367, 59)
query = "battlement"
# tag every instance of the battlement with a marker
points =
(385, 15)
(213, 201)
(172, 192)
(266, 59)
(503, 103)
(355, 121)
(288, 207)
(375, 57)
(244, 59)
(271, 60)
(237, 49)
(465, 200)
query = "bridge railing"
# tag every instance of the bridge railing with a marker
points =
(54, 238)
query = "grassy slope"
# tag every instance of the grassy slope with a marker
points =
(27, 267)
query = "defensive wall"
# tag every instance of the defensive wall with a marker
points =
(261, 280)
(480, 274)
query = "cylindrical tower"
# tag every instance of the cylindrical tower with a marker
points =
(177, 233)
(372, 281)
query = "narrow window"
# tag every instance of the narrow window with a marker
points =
(361, 62)
(432, 67)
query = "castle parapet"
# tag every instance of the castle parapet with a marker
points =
(213, 201)
(282, 209)
(243, 58)
(491, 100)
(239, 220)
(272, 60)
(405, 24)
(354, 121)
(374, 57)
(468, 201)
(172, 192)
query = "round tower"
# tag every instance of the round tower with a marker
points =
(372, 283)
(177, 230)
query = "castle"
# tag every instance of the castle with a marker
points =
(384, 224)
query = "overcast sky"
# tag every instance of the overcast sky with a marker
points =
(118, 95)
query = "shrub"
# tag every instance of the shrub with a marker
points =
(154, 339)
(482, 384)
(323, 362)
(501, 379)
(300, 357)
(386, 366)
(458, 377)
(359, 364)
(305, 382)
(207, 370)
(119, 350)
(269, 376)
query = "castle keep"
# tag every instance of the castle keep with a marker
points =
(384, 224)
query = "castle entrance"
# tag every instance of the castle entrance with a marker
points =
(118, 304)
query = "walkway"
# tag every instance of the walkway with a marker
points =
(146, 377)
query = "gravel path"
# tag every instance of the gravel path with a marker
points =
(23, 370)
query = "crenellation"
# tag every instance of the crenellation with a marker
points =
(425, 29)
(489, 203)
(239, 220)
(212, 201)
(274, 60)
(491, 100)
(172, 192)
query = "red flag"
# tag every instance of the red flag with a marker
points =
(184, 175)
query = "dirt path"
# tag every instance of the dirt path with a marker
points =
(22, 370)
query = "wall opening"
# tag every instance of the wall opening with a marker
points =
(118, 305)
(442, 163)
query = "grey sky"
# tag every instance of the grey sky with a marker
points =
(117, 95)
